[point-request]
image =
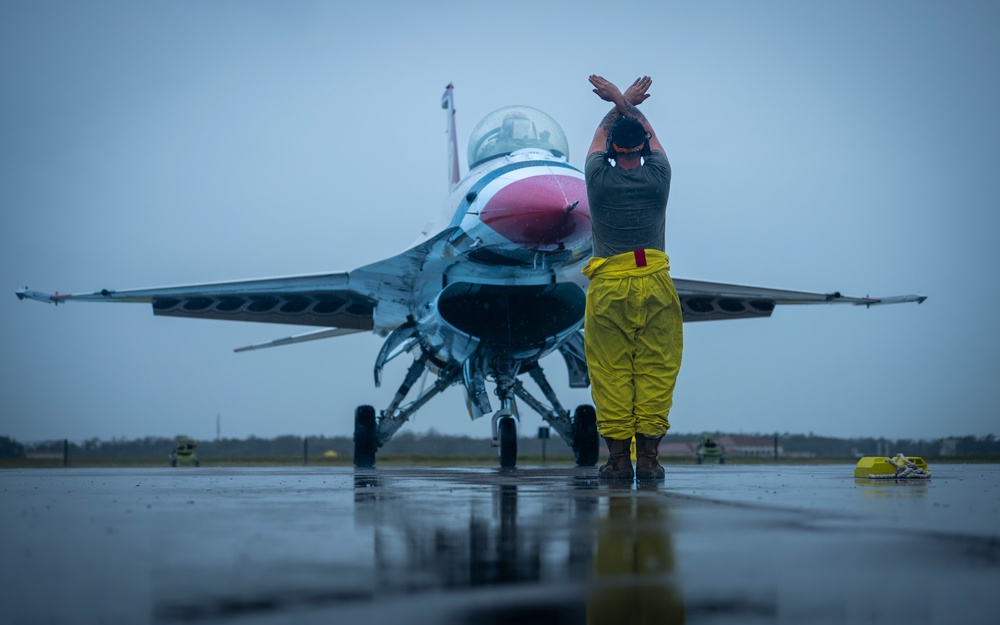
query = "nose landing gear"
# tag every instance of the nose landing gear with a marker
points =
(506, 428)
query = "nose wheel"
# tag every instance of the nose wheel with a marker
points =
(507, 439)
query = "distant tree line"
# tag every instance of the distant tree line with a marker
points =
(435, 444)
(10, 448)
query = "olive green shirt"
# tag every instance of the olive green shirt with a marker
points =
(628, 207)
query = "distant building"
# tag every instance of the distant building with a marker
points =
(34, 454)
(678, 449)
(752, 446)
(949, 447)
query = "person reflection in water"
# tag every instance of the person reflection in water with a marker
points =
(633, 579)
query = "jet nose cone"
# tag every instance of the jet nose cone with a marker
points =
(547, 213)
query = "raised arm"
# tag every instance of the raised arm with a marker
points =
(625, 104)
(600, 142)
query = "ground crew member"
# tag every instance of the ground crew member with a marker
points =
(632, 326)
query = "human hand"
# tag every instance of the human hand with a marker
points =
(605, 89)
(636, 93)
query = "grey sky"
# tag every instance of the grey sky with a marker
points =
(815, 146)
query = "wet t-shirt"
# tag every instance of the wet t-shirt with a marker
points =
(628, 207)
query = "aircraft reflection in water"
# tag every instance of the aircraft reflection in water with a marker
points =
(491, 289)
(600, 556)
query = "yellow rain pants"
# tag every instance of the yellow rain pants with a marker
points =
(633, 341)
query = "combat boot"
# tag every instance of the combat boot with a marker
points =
(646, 466)
(619, 464)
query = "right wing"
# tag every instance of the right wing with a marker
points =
(711, 301)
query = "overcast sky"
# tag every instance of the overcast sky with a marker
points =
(816, 146)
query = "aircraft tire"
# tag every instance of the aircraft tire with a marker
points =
(365, 441)
(507, 433)
(585, 440)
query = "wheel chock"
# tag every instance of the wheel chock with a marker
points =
(898, 467)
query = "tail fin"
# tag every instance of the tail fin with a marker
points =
(448, 102)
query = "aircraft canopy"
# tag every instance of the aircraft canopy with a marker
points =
(513, 128)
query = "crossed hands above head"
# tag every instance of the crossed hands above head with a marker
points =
(634, 95)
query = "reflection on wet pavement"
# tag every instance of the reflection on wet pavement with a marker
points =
(608, 548)
(480, 546)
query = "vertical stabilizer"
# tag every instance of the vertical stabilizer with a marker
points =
(448, 102)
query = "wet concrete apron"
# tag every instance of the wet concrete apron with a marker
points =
(712, 544)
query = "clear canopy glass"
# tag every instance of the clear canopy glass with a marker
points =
(513, 128)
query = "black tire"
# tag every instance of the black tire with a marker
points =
(365, 441)
(507, 433)
(585, 440)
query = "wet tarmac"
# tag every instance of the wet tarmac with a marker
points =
(712, 544)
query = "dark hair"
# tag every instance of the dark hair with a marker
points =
(626, 134)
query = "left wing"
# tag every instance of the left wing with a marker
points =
(314, 300)
(711, 301)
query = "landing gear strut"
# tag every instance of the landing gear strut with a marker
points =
(370, 432)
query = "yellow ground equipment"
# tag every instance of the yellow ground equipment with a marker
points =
(896, 468)
(710, 449)
(185, 453)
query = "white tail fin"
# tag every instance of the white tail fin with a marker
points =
(448, 102)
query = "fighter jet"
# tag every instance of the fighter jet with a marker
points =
(487, 292)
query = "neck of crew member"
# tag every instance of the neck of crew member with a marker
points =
(628, 160)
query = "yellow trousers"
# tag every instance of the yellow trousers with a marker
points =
(633, 341)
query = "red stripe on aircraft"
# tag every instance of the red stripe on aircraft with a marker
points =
(537, 211)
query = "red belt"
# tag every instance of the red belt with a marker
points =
(640, 257)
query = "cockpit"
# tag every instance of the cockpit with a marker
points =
(512, 128)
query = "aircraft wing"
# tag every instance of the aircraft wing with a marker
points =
(711, 301)
(344, 301)
(315, 300)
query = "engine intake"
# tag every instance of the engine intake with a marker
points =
(512, 316)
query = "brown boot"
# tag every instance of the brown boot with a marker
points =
(646, 466)
(619, 464)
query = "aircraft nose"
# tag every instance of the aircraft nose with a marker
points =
(546, 213)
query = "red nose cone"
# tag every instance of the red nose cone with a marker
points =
(543, 213)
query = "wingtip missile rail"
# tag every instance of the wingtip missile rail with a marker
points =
(895, 299)
(39, 296)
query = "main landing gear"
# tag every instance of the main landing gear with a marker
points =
(579, 431)
(584, 432)
(585, 440)
(365, 438)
